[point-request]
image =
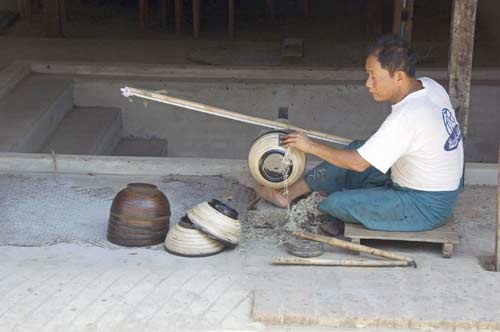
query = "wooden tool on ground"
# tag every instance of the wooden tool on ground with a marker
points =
(337, 262)
(162, 98)
(355, 247)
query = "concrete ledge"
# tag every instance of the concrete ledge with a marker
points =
(481, 174)
(12, 75)
(482, 76)
(475, 174)
(308, 308)
(113, 165)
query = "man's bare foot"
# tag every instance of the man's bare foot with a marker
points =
(272, 196)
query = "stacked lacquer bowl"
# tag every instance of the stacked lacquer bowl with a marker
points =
(205, 230)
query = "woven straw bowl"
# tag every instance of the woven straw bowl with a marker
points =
(217, 220)
(265, 161)
(184, 239)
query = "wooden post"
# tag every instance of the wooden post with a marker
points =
(24, 8)
(53, 17)
(373, 16)
(497, 242)
(27, 8)
(196, 18)
(270, 9)
(163, 13)
(20, 8)
(230, 23)
(463, 22)
(402, 22)
(178, 16)
(408, 21)
(396, 18)
(143, 12)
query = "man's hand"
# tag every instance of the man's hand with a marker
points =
(299, 141)
(348, 159)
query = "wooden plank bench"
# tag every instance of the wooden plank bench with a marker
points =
(446, 235)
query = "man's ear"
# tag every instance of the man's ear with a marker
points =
(400, 76)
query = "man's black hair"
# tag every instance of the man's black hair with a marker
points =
(394, 53)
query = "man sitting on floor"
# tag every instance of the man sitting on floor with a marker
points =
(405, 177)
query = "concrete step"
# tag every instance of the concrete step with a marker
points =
(30, 112)
(87, 131)
(141, 147)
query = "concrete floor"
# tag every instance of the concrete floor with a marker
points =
(83, 283)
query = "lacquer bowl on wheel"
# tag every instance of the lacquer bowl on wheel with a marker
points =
(139, 216)
(265, 161)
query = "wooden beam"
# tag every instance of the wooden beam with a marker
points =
(196, 18)
(408, 20)
(306, 8)
(53, 18)
(402, 22)
(270, 9)
(20, 7)
(373, 11)
(178, 16)
(230, 22)
(143, 13)
(24, 8)
(463, 22)
(164, 6)
(396, 19)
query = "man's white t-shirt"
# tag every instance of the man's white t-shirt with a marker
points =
(420, 141)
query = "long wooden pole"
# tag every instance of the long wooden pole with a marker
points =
(354, 247)
(151, 95)
(337, 262)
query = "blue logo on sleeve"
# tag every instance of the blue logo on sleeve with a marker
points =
(453, 129)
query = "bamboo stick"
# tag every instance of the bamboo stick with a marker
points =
(337, 262)
(353, 246)
(151, 95)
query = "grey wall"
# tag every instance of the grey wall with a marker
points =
(340, 109)
(484, 124)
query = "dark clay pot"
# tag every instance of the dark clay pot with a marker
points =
(140, 216)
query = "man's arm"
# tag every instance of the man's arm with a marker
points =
(348, 159)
